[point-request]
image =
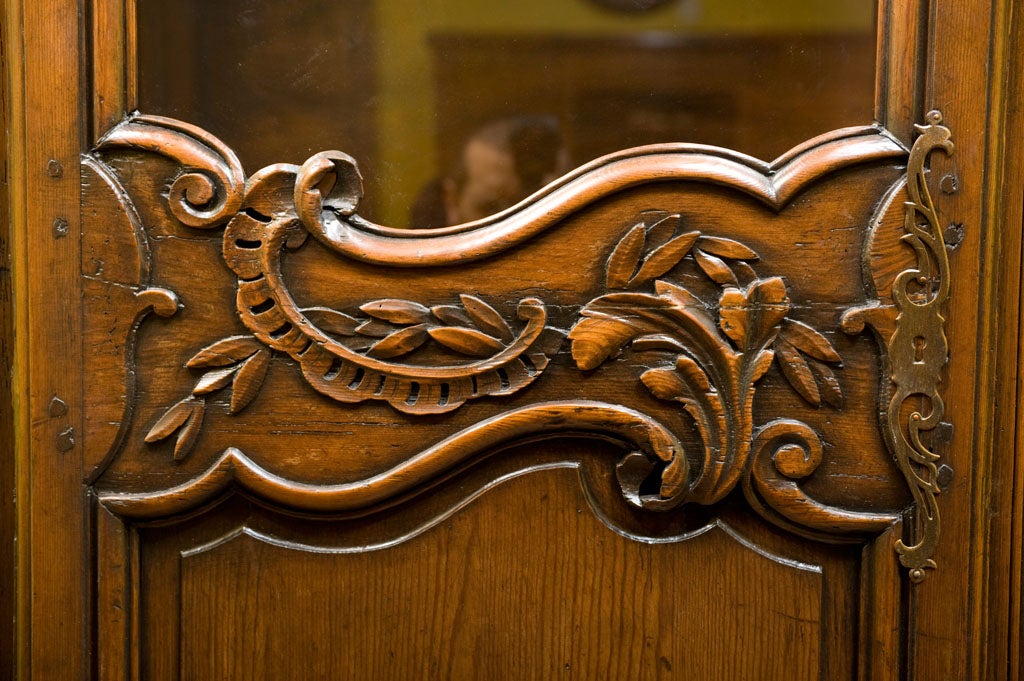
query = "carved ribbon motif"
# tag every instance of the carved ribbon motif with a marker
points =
(718, 345)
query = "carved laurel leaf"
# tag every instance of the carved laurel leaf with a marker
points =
(249, 380)
(452, 315)
(486, 317)
(214, 380)
(400, 342)
(797, 372)
(625, 258)
(725, 248)
(715, 268)
(185, 418)
(809, 341)
(375, 329)
(828, 385)
(171, 420)
(397, 311)
(664, 258)
(467, 341)
(190, 431)
(331, 321)
(224, 352)
(661, 230)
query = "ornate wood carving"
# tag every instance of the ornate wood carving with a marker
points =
(680, 307)
(716, 364)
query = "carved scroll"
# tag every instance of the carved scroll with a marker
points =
(709, 326)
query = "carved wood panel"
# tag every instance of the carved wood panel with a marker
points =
(749, 353)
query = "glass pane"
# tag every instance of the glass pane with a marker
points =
(458, 108)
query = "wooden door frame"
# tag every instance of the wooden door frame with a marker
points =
(68, 76)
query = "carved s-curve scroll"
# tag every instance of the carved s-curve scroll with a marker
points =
(595, 419)
(917, 349)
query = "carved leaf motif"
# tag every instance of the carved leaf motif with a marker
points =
(725, 248)
(809, 341)
(171, 420)
(249, 380)
(664, 258)
(715, 268)
(375, 329)
(486, 317)
(688, 381)
(224, 352)
(828, 385)
(685, 302)
(797, 372)
(452, 315)
(665, 384)
(466, 341)
(662, 229)
(214, 380)
(750, 316)
(693, 375)
(331, 321)
(625, 258)
(673, 478)
(185, 418)
(397, 311)
(658, 341)
(608, 323)
(400, 342)
(761, 365)
(190, 431)
(595, 340)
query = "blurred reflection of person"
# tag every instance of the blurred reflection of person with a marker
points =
(503, 162)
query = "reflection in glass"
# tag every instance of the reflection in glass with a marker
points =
(456, 109)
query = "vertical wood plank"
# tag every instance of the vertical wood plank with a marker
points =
(960, 615)
(1011, 541)
(44, 146)
(900, 66)
(879, 641)
(115, 598)
(7, 431)
(113, 74)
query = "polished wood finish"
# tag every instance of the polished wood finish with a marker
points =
(680, 414)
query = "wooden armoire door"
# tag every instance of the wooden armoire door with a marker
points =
(679, 413)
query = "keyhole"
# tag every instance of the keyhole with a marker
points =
(919, 345)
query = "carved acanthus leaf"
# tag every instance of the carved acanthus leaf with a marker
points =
(722, 351)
